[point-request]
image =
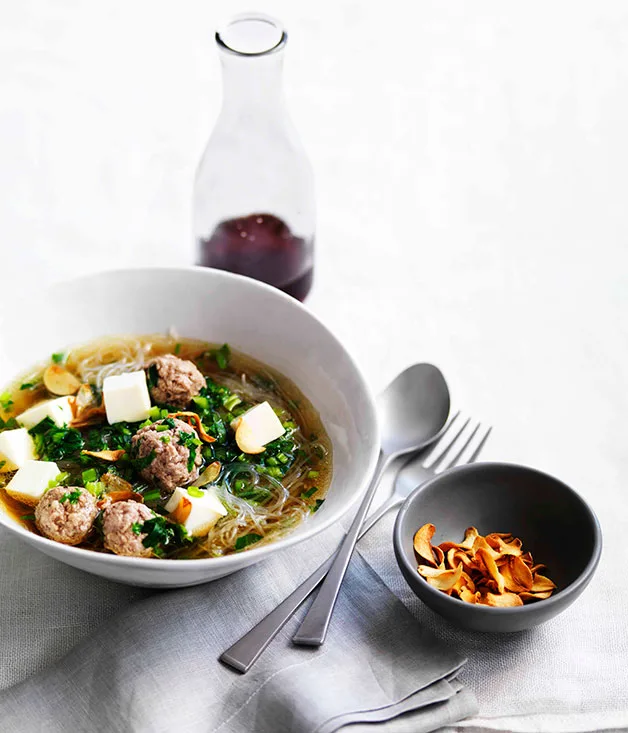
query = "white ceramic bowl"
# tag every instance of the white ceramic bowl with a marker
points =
(215, 306)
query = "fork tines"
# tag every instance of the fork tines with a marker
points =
(460, 443)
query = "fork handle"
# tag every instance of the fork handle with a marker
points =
(245, 652)
(313, 628)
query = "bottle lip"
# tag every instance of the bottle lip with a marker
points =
(251, 34)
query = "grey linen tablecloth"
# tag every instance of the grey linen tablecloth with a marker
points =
(153, 665)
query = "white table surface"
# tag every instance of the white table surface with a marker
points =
(470, 161)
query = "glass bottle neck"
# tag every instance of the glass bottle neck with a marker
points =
(253, 85)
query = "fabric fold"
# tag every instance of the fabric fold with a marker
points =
(154, 666)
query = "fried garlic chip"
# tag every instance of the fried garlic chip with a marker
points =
(542, 584)
(517, 575)
(492, 570)
(469, 538)
(423, 543)
(500, 600)
(441, 579)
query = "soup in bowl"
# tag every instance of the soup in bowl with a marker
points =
(170, 446)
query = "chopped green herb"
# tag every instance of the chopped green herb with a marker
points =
(136, 528)
(310, 492)
(58, 480)
(177, 349)
(274, 471)
(317, 506)
(111, 437)
(195, 492)
(221, 356)
(96, 488)
(71, 496)
(58, 358)
(5, 401)
(154, 413)
(319, 451)
(190, 441)
(29, 385)
(282, 458)
(91, 474)
(152, 376)
(141, 463)
(312, 474)
(272, 461)
(231, 402)
(201, 402)
(165, 439)
(163, 535)
(169, 423)
(2, 464)
(160, 428)
(54, 443)
(246, 540)
(152, 495)
(8, 424)
(28, 517)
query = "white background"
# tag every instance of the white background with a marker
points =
(471, 165)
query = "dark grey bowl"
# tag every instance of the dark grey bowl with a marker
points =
(552, 520)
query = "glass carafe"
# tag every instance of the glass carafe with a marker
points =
(254, 210)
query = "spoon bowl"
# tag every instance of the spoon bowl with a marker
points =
(413, 409)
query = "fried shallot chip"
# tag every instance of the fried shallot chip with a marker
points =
(492, 570)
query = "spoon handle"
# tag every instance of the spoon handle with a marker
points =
(313, 628)
(245, 652)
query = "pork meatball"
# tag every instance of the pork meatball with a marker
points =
(66, 514)
(176, 456)
(119, 521)
(177, 381)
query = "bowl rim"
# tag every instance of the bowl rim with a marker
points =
(224, 562)
(481, 610)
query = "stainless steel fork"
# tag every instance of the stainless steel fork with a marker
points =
(446, 453)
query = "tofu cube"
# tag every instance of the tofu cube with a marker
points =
(16, 447)
(204, 513)
(58, 410)
(126, 397)
(31, 481)
(257, 427)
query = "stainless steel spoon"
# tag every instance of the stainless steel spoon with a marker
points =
(412, 410)
(428, 394)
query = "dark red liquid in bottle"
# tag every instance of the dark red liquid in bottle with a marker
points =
(263, 247)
